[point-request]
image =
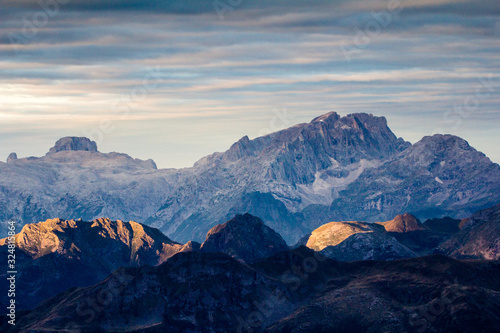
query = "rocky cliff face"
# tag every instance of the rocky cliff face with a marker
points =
(12, 157)
(307, 164)
(245, 238)
(74, 144)
(57, 254)
(438, 176)
(334, 168)
(135, 243)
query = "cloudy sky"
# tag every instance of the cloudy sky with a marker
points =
(177, 80)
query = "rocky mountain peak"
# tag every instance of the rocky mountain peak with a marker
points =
(68, 236)
(74, 144)
(403, 223)
(327, 117)
(12, 157)
(239, 149)
(245, 238)
(353, 120)
(349, 138)
(238, 222)
(86, 252)
(445, 140)
(440, 145)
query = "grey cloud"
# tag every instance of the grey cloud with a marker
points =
(264, 55)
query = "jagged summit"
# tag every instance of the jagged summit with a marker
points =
(58, 254)
(330, 116)
(142, 243)
(361, 117)
(345, 139)
(73, 143)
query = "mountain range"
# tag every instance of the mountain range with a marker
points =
(56, 255)
(331, 169)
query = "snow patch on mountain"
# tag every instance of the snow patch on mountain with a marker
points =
(326, 185)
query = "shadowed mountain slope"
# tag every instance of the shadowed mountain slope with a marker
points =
(245, 238)
(293, 291)
(479, 237)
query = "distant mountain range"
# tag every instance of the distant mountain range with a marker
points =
(331, 169)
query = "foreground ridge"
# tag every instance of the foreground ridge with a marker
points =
(333, 296)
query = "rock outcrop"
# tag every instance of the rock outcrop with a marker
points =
(12, 157)
(74, 144)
